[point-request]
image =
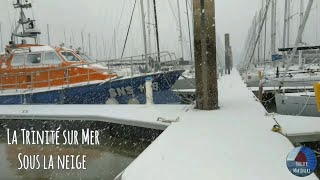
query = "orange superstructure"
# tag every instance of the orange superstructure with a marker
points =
(36, 66)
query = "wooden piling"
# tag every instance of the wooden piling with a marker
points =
(205, 54)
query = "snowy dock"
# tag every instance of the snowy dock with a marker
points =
(234, 142)
(300, 128)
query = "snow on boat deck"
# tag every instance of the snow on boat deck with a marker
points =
(235, 142)
(300, 128)
(302, 88)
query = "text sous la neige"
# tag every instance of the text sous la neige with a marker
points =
(71, 137)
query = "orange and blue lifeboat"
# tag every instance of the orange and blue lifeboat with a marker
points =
(40, 74)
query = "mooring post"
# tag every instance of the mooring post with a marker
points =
(205, 54)
(227, 53)
(149, 91)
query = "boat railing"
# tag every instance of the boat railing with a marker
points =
(30, 82)
(164, 56)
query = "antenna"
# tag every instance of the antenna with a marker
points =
(27, 24)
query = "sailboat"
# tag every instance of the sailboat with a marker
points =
(41, 74)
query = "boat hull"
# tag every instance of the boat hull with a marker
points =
(122, 90)
(296, 105)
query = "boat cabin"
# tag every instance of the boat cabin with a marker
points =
(38, 66)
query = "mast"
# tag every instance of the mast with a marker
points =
(285, 24)
(104, 48)
(191, 57)
(301, 60)
(27, 24)
(180, 29)
(49, 43)
(82, 43)
(97, 52)
(265, 36)
(65, 37)
(288, 23)
(1, 40)
(115, 44)
(301, 14)
(256, 40)
(260, 39)
(90, 53)
(298, 40)
(156, 27)
(149, 26)
(273, 27)
(143, 23)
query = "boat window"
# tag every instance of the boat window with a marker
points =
(18, 60)
(86, 57)
(51, 58)
(70, 56)
(33, 59)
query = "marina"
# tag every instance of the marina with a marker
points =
(149, 90)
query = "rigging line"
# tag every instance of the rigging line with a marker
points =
(175, 17)
(124, 46)
(117, 30)
(120, 16)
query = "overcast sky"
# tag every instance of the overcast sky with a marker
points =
(101, 18)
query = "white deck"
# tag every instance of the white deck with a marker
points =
(300, 128)
(235, 142)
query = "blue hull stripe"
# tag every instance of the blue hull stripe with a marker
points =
(122, 90)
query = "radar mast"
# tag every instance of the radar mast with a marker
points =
(27, 24)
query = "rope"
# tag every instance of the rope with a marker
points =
(304, 105)
(125, 42)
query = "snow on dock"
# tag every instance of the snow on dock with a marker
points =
(300, 128)
(235, 142)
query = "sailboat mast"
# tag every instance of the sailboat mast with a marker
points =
(90, 53)
(97, 50)
(301, 14)
(273, 26)
(149, 26)
(143, 23)
(65, 37)
(82, 43)
(265, 36)
(190, 41)
(156, 27)
(180, 29)
(260, 39)
(48, 31)
(285, 24)
(1, 40)
(115, 44)
(298, 40)
(288, 23)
